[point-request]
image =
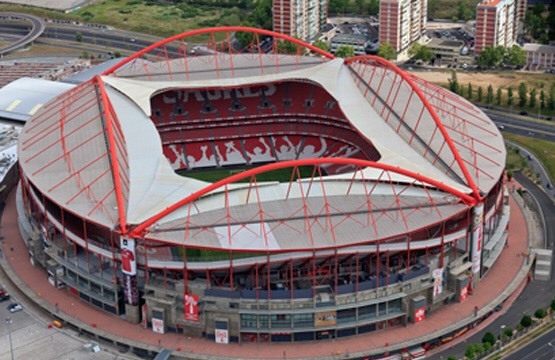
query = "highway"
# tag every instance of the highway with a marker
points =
(521, 125)
(542, 348)
(37, 28)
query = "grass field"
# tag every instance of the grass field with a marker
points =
(544, 150)
(281, 175)
(497, 79)
(142, 16)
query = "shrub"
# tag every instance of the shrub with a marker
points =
(552, 305)
(487, 346)
(488, 338)
(478, 348)
(540, 313)
(508, 332)
(452, 357)
(470, 353)
(526, 321)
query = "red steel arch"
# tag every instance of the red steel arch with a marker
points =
(448, 140)
(213, 31)
(139, 230)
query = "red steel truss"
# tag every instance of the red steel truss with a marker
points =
(358, 64)
(316, 180)
(222, 51)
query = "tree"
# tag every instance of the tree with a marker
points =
(552, 305)
(515, 56)
(117, 54)
(489, 338)
(420, 52)
(464, 13)
(338, 6)
(387, 51)
(526, 321)
(490, 56)
(469, 91)
(454, 83)
(551, 101)
(499, 96)
(540, 313)
(321, 44)
(532, 101)
(286, 47)
(542, 99)
(78, 36)
(510, 96)
(522, 95)
(345, 51)
(480, 94)
(470, 353)
(489, 96)
(508, 331)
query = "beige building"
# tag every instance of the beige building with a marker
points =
(402, 22)
(539, 57)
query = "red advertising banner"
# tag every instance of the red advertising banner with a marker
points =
(419, 315)
(191, 307)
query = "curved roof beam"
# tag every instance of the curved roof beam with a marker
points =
(139, 230)
(213, 31)
(109, 120)
(432, 112)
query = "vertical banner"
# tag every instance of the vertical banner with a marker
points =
(419, 315)
(463, 293)
(127, 252)
(191, 307)
(158, 325)
(437, 275)
(143, 315)
(129, 270)
(477, 235)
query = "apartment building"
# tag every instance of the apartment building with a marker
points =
(303, 19)
(539, 57)
(498, 22)
(402, 22)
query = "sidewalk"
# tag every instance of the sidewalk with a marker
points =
(502, 280)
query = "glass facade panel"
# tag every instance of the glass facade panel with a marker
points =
(303, 320)
(281, 321)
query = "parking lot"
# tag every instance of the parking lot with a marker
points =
(32, 338)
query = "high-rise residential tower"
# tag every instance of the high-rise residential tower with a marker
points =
(303, 19)
(402, 22)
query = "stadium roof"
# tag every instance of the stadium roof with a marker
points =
(22, 98)
(95, 151)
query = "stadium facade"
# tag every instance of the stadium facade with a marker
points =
(247, 194)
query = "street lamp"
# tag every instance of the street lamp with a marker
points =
(8, 324)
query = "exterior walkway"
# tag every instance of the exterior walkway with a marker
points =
(503, 279)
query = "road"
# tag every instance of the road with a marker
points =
(37, 28)
(542, 348)
(528, 301)
(520, 125)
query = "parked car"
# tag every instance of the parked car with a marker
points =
(4, 297)
(14, 307)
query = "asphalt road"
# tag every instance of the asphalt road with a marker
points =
(542, 348)
(528, 301)
(37, 28)
(519, 125)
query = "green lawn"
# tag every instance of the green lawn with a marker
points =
(544, 151)
(213, 175)
(149, 17)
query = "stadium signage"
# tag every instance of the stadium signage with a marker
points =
(191, 307)
(325, 318)
(128, 262)
(222, 336)
(419, 315)
(203, 95)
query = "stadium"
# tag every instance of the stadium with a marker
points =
(267, 193)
